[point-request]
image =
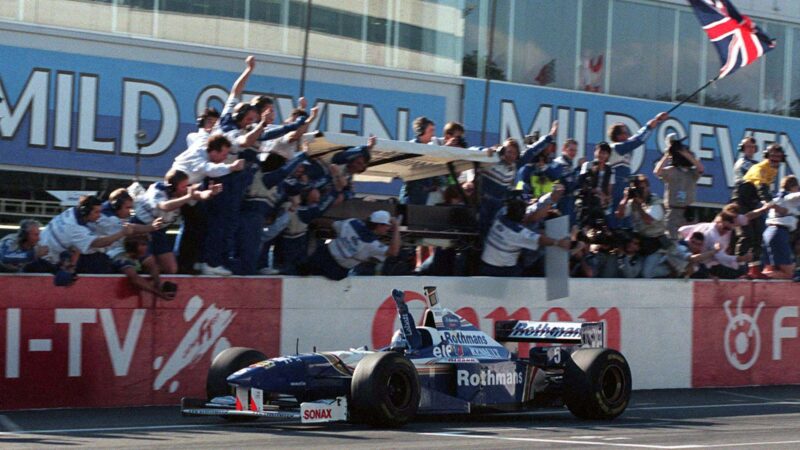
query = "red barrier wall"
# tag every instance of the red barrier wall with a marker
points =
(745, 333)
(98, 343)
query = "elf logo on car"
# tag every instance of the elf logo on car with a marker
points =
(488, 377)
(315, 414)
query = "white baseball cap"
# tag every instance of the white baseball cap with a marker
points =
(382, 217)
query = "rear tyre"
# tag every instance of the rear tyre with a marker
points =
(226, 363)
(597, 384)
(384, 391)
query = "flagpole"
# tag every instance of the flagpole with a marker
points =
(689, 97)
(486, 71)
(305, 50)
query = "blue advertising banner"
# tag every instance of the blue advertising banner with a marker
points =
(77, 112)
(712, 134)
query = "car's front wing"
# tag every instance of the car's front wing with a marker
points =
(249, 403)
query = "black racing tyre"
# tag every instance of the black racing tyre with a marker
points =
(597, 383)
(384, 391)
(226, 363)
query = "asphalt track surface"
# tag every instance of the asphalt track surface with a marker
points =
(758, 417)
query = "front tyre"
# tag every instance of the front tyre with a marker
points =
(598, 384)
(228, 362)
(385, 390)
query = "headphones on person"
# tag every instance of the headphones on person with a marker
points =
(745, 140)
(117, 202)
(776, 147)
(87, 204)
(24, 227)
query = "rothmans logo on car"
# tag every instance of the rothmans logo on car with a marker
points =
(488, 377)
(465, 338)
(544, 329)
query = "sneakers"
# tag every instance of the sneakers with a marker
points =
(218, 271)
(269, 271)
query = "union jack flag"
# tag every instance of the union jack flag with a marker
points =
(738, 40)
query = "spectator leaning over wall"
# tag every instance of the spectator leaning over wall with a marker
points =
(70, 232)
(779, 259)
(19, 251)
(115, 213)
(679, 170)
(356, 242)
(717, 234)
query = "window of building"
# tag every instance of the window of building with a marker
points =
(691, 43)
(773, 97)
(543, 41)
(593, 57)
(642, 50)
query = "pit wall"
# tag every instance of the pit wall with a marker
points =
(98, 343)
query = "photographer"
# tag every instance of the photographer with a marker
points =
(647, 213)
(594, 188)
(679, 170)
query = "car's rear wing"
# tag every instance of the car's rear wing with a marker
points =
(587, 334)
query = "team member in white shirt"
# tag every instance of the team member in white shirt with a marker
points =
(779, 260)
(205, 123)
(506, 239)
(164, 200)
(70, 232)
(206, 159)
(114, 215)
(356, 242)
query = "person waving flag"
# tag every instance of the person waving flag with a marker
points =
(738, 40)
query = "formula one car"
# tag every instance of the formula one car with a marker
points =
(446, 366)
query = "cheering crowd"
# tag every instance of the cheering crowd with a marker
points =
(246, 191)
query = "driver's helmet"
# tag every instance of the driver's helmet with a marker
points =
(399, 341)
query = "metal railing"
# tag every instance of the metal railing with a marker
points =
(34, 209)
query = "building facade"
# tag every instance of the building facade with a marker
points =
(80, 77)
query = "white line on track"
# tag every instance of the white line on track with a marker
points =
(139, 428)
(736, 394)
(606, 443)
(722, 405)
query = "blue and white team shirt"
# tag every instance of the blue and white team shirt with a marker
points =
(355, 244)
(147, 209)
(109, 223)
(622, 152)
(505, 241)
(65, 232)
(741, 167)
(497, 180)
(13, 258)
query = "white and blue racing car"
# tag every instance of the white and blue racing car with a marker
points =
(446, 366)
